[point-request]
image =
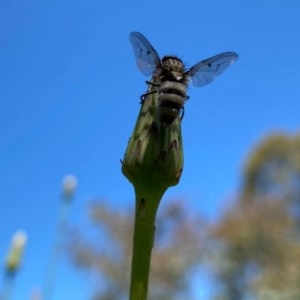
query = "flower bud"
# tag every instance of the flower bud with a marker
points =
(154, 153)
(69, 185)
(14, 257)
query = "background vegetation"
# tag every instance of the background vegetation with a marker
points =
(251, 252)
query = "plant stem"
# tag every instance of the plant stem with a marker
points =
(53, 260)
(147, 202)
(153, 162)
(8, 286)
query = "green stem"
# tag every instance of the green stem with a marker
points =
(152, 162)
(8, 286)
(53, 261)
(148, 196)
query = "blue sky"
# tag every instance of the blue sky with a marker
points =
(69, 98)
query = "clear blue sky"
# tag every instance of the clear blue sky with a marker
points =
(69, 98)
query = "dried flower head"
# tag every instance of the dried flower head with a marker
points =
(69, 184)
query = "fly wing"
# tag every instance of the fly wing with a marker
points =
(205, 71)
(147, 59)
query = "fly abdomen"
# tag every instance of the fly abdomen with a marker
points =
(171, 98)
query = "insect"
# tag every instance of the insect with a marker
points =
(170, 78)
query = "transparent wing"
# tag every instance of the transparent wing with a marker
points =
(205, 71)
(147, 58)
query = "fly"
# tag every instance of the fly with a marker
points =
(170, 78)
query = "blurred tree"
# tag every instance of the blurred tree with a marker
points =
(254, 248)
(107, 253)
(273, 169)
(256, 245)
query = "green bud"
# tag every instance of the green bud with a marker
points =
(14, 257)
(69, 185)
(152, 162)
(154, 154)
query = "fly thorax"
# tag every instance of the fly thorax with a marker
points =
(173, 68)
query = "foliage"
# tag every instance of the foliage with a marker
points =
(256, 244)
(253, 248)
(273, 168)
